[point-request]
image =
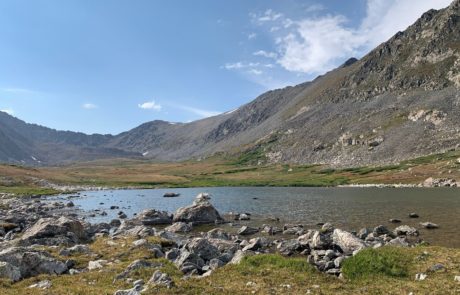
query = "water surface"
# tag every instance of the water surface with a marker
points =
(348, 208)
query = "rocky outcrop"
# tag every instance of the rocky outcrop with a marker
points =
(200, 212)
(440, 182)
(19, 262)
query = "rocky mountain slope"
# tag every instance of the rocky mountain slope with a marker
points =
(400, 101)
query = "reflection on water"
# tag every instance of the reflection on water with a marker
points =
(349, 208)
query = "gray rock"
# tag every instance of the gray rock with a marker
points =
(240, 255)
(136, 265)
(151, 217)
(437, 268)
(172, 254)
(179, 227)
(246, 230)
(9, 271)
(216, 263)
(381, 230)
(254, 245)
(52, 231)
(203, 248)
(289, 247)
(413, 215)
(134, 291)
(200, 212)
(348, 242)
(320, 241)
(29, 262)
(405, 230)
(363, 233)
(429, 225)
(217, 233)
(398, 242)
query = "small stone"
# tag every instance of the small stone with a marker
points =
(437, 267)
(41, 285)
(413, 215)
(98, 264)
(457, 279)
(429, 225)
(420, 277)
(395, 220)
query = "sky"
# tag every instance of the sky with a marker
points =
(106, 66)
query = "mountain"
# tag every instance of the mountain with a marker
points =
(400, 101)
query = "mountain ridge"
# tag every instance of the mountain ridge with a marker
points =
(399, 101)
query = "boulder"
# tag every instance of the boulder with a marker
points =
(348, 242)
(22, 262)
(52, 231)
(151, 217)
(289, 247)
(200, 212)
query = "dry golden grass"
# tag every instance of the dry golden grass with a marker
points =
(261, 274)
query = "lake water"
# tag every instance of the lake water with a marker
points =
(347, 208)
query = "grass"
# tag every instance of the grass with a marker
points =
(385, 270)
(386, 261)
(220, 171)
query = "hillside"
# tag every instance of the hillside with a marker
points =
(400, 101)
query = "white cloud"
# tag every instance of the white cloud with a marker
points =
(317, 44)
(8, 111)
(255, 72)
(89, 106)
(315, 8)
(18, 90)
(200, 112)
(265, 54)
(252, 36)
(150, 105)
(268, 16)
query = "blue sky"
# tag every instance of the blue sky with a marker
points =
(107, 66)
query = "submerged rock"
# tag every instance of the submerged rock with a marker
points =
(429, 225)
(405, 230)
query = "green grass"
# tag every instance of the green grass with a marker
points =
(27, 190)
(273, 261)
(386, 261)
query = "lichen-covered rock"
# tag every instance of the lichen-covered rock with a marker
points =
(179, 227)
(161, 279)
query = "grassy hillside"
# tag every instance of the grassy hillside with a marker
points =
(220, 172)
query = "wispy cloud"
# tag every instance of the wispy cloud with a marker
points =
(150, 105)
(265, 54)
(18, 90)
(268, 16)
(89, 106)
(315, 8)
(197, 111)
(252, 36)
(8, 111)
